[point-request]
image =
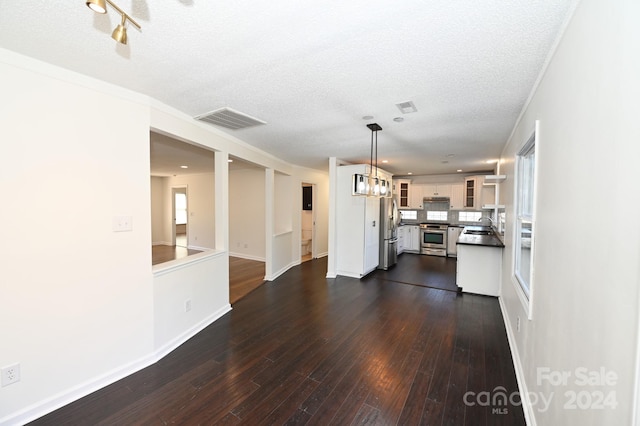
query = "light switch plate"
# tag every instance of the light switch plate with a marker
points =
(122, 223)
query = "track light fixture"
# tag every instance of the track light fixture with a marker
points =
(120, 33)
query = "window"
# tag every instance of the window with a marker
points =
(436, 215)
(525, 175)
(409, 214)
(181, 208)
(469, 216)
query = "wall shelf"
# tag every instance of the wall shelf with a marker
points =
(492, 179)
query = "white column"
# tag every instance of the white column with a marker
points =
(331, 237)
(269, 190)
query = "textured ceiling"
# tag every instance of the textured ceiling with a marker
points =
(312, 70)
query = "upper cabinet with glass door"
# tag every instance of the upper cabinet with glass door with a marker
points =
(402, 192)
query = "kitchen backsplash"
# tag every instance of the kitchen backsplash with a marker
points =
(452, 216)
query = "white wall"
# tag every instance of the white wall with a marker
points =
(587, 244)
(200, 205)
(87, 307)
(81, 305)
(247, 213)
(158, 220)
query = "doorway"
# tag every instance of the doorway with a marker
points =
(180, 211)
(307, 223)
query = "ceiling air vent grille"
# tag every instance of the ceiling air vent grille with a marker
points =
(229, 118)
(407, 107)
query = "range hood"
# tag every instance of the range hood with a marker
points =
(435, 200)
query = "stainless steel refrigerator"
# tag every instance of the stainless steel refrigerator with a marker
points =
(389, 220)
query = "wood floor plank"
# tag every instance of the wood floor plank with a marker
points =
(307, 349)
(287, 411)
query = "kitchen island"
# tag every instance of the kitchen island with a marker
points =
(479, 261)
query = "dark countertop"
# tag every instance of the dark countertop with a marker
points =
(479, 240)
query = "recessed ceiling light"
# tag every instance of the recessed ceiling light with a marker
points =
(459, 170)
(385, 161)
(184, 167)
(398, 119)
(491, 161)
(229, 160)
(410, 173)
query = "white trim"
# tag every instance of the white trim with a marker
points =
(190, 247)
(162, 243)
(247, 256)
(532, 143)
(527, 408)
(173, 344)
(276, 274)
(166, 267)
(77, 392)
(347, 274)
(635, 416)
(543, 70)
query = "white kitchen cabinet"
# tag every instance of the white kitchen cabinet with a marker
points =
(415, 199)
(472, 192)
(478, 269)
(402, 230)
(457, 196)
(412, 239)
(402, 192)
(439, 190)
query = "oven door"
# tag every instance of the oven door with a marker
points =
(432, 238)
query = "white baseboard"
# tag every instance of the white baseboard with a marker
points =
(529, 415)
(281, 271)
(199, 248)
(39, 409)
(247, 256)
(169, 347)
(161, 243)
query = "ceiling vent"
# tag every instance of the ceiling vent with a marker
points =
(406, 107)
(229, 118)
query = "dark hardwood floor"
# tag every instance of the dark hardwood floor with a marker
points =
(304, 349)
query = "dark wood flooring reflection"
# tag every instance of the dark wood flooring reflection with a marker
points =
(162, 253)
(428, 271)
(304, 349)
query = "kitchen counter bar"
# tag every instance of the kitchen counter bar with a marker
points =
(479, 240)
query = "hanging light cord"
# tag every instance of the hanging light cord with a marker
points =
(371, 159)
(376, 153)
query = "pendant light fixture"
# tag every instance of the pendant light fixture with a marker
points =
(370, 184)
(120, 33)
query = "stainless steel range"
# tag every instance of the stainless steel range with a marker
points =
(433, 239)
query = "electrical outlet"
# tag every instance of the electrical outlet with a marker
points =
(518, 324)
(10, 374)
(187, 305)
